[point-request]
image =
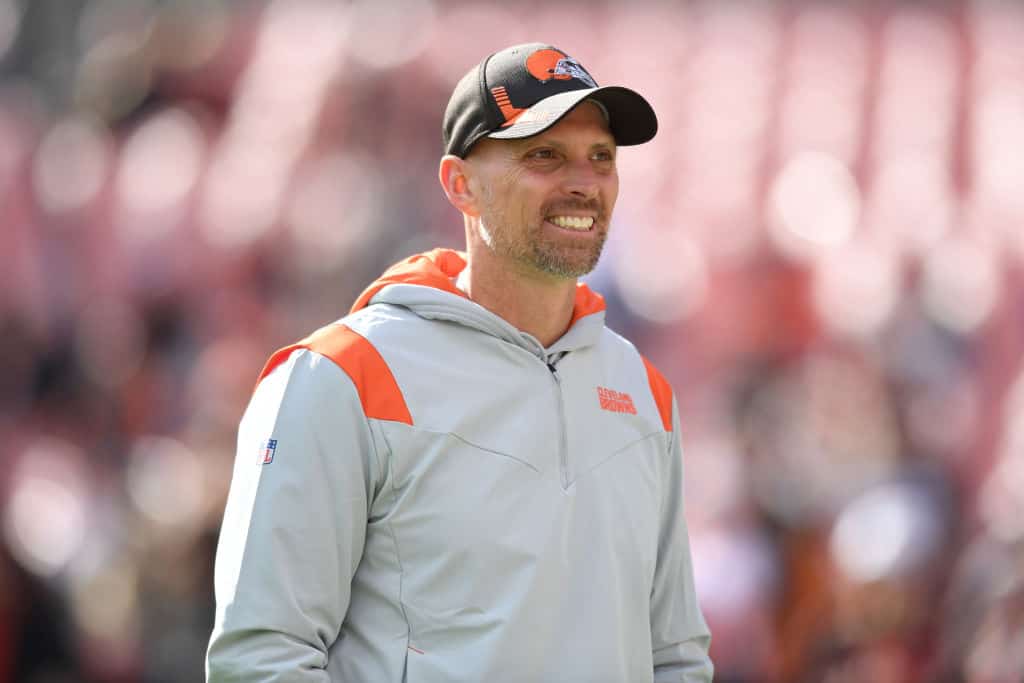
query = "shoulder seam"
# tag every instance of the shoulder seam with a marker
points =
(357, 357)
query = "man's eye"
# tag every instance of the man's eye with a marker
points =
(542, 154)
(603, 155)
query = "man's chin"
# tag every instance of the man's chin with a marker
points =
(566, 266)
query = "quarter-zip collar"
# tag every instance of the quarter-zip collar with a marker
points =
(425, 284)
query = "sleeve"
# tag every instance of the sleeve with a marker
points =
(294, 525)
(679, 636)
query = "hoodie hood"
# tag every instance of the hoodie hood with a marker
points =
(425, 283)
(437, 269)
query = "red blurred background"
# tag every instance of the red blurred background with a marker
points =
(822, 250)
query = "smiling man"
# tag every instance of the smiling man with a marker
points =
(473, 479)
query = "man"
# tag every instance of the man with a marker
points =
(470, 478)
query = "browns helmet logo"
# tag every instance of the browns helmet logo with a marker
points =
(549, 64)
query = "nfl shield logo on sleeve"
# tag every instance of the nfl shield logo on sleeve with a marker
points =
(267, 450)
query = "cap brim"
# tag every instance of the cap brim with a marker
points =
(631, 119)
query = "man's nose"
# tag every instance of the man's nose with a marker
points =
(582, 180)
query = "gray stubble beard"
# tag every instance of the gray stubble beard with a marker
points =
(534, 254)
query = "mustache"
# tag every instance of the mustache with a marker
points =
(590, 205)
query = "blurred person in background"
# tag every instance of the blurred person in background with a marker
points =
(470, 477)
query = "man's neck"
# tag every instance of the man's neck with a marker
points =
(532, 303)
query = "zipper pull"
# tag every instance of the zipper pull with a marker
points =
(552, 359)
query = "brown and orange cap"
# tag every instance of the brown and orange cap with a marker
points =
(525, 89)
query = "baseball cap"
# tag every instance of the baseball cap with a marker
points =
(525, 89)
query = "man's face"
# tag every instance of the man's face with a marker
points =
(545, 202)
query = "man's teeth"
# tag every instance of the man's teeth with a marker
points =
(573, 222)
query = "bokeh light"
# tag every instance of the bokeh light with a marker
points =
(45, 520)
(71, 165)
(815, 206)
(856, 289)
(885, 532)
(164, 481)
(160, 165)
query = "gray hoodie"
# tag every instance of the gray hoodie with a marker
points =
(424, 493)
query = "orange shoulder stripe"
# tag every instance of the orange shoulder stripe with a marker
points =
(587, 302)
(378, 391)
(662, 391)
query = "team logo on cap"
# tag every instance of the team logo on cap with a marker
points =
(546, 65)
(549, 64)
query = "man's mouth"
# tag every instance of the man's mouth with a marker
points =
(577, 223)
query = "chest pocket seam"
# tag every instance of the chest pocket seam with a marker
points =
(620, 451)
(478, 447)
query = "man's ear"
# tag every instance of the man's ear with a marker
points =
(454, 176)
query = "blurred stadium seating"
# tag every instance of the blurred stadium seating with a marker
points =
(823, 249)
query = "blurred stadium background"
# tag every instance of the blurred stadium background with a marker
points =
(823, 249)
